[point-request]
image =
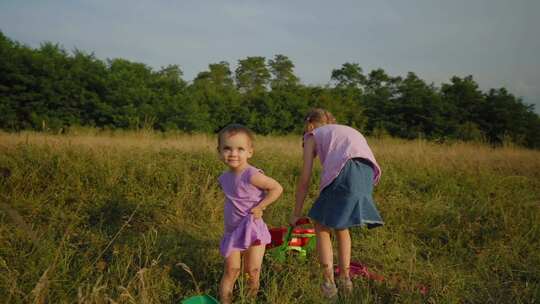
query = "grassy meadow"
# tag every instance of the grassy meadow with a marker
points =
(97, 217)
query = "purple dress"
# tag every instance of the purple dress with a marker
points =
(241, 229)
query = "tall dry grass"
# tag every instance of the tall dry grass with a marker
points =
(106, 217)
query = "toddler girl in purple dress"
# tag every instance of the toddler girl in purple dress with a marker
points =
(247, 193)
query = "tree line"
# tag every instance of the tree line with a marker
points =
(48, 88)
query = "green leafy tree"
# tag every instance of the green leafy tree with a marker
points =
(532, 132)
(13, 83)
(380, 89)
(215, 88)
(168, 80)
(219, 75)
(463, 102)
(252, 75)
(170, 90)
(282, 70)
(129, 88)
(505, 117)
(48, 88)
(348, 104)
(192, 115)
(416, 110)
(350, 75)
(88, 87)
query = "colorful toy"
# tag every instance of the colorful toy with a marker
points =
(292, 240)
(202, 299)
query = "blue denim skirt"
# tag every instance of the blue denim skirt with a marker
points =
(348, 200)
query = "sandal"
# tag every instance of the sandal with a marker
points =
(345, 285)
(329, 290)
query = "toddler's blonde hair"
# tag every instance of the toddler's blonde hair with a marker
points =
(234, 129)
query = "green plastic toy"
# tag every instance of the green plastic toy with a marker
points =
(296, 240)
(202, 299)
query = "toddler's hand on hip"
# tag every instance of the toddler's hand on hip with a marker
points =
(257, 213)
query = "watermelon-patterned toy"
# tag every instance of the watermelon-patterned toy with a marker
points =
(292, 240)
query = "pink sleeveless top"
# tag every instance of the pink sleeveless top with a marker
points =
(335, 144)
(241, 229)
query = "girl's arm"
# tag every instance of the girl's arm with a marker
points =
(305, 176)
(273, 191)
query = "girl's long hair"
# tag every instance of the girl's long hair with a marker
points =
(320, 116)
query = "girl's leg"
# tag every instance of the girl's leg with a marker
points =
(230, 274)
(324, 249)
(252, 266)
(344, 246)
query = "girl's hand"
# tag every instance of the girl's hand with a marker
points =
(293, 219)
(303, 182)
(257, 212)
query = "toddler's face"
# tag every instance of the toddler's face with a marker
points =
(235, 150)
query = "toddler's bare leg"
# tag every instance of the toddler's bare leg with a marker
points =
(252, 264)
(230, 274)
(324, 249)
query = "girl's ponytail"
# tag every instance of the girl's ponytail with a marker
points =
(330, 119)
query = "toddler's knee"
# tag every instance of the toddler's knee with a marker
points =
(226, 296)
(232, 272)
(253, 282)
(254, 286)
(254, 272)
(253, 275)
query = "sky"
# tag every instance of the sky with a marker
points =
(495, 41)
